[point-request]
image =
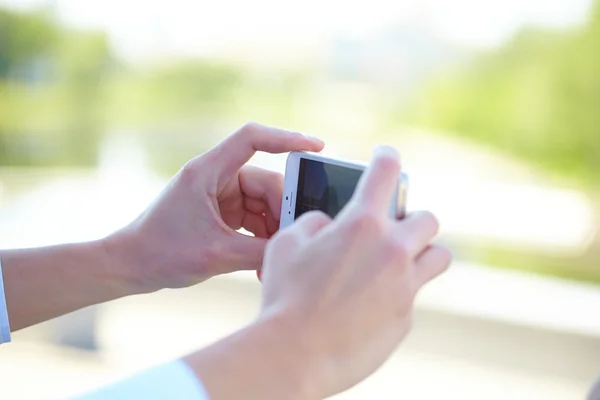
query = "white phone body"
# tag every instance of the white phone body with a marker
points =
(291, 189)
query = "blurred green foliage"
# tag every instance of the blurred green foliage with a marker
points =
(537, 97)
(181, 109)
(23, 38)
(62, 90)
(50, 91)
(173, 94)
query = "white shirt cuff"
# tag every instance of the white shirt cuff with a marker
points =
(174, 380)
(4, 323)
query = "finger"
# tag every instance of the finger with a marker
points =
(378, 183)
(237, 149)
(417, 231)
(272, 224)
(257, 206)
(307, 225)
(311, 223)
(431, 263)
(248, 254)
(256, 224)
(258, 183)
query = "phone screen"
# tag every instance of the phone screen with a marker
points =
(324, 187)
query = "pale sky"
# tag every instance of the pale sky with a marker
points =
(196, 27)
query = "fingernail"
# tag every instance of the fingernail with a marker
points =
(385, 151)
(315, 139)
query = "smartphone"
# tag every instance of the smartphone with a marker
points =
(315, 182)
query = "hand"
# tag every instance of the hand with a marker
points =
(343, 290)
(189, 233)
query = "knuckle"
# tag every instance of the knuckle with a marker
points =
(397, 250)
(313, 218)
(430, 219)
(188, 172)
(248, 128)
(365, 223)
(319, 217)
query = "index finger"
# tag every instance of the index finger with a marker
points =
(379, 182)
(237, 149)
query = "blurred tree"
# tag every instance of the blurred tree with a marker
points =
(538, 97)
(50, 91)
(24, 38)
(84, 61)
(186, 106)
(61, 90)
(194, 89)
(177, 109)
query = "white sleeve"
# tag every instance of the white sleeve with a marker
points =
(4, 324)
(174, 380)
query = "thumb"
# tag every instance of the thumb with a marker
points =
(247, 252)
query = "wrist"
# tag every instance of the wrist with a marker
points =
(123, 261)
(287, 355)
(266, 360)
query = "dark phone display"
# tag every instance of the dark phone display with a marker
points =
(324, 187)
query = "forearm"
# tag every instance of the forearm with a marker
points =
(264, 361)
(44, 283)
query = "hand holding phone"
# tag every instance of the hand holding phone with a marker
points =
(316, 182)
(358, 273)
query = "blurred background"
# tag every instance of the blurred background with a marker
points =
(494, 105)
